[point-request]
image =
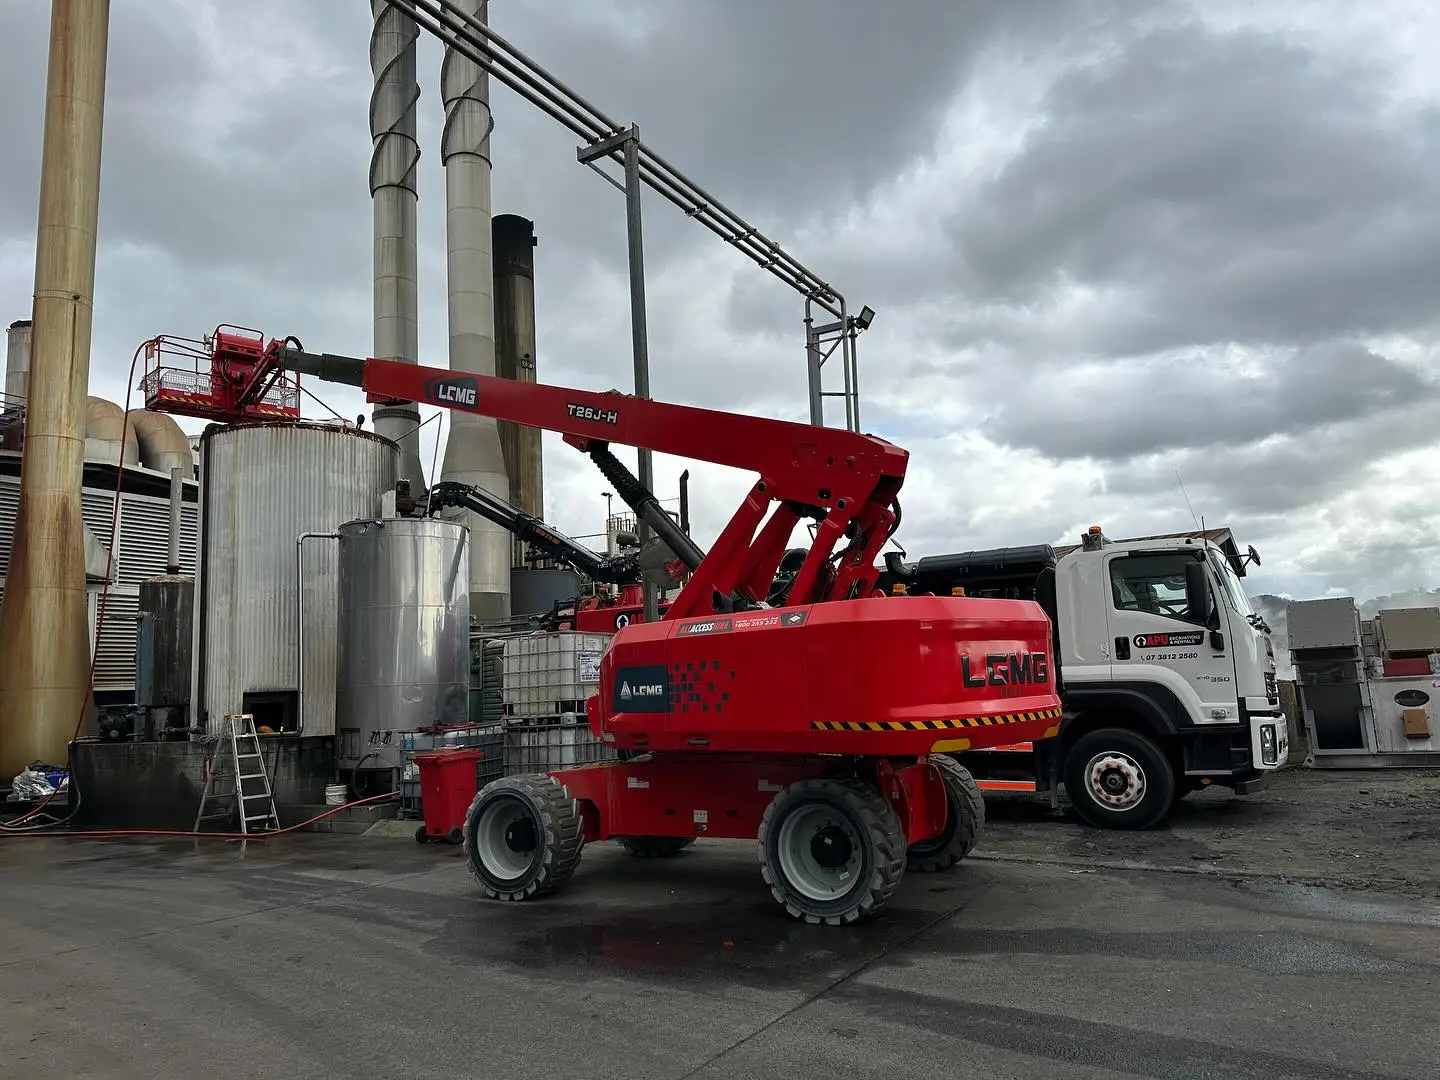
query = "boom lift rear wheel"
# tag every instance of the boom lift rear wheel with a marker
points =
(523, 837)
(964, 818)
(832, 850)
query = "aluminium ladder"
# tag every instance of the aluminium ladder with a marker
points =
(250, 794)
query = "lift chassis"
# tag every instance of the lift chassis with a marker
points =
(808, 710)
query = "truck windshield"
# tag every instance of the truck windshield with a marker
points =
(1233, 589)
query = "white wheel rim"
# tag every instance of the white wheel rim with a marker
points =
(1115, 780)
(819, 852)
(506, 838)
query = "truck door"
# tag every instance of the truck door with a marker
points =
(1157, 639)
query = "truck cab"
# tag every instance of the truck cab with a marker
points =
(1167, 673)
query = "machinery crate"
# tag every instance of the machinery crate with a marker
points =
(409, 799)
(536, 746)
(542, 671)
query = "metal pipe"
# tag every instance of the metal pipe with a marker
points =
(177, 495)
(394, 156)
(685, 502)
(473, 453)
(639, 337)
(813, 381)
(484, 47)
(17, 362)
(300, 625)
(853, 380)
(514, 248)
(490, 41)
(846, 343)
(199, 644)
(45, 649)
(593, 127)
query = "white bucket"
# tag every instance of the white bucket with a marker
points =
(335, 795)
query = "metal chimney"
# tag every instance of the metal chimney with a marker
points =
(515, 354)
(44, 633)
(393, 159)
(17, 362)
(472, 451)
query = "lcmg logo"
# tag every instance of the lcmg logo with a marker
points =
(453, 390)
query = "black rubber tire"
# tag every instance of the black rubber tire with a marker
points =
(882, 849)
(963, 824)
(559, 836)
(654, 847)
(1158, 775)
(421, 836)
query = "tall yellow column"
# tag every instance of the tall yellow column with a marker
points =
(44, 630)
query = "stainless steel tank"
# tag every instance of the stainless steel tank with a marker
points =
(404, 658)
(536, 591)
(262, 487)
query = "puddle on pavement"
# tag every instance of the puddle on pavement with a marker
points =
(741, 942)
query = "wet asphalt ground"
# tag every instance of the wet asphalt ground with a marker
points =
(322, 956)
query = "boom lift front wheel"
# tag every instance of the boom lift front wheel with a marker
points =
(523, 837)
(831, 850)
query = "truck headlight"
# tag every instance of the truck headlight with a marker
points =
(1269, 745)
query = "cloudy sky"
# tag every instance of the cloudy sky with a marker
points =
(1114, 245)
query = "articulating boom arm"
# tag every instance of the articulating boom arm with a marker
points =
(846, 480)
(611, 570)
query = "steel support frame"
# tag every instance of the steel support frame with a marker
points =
(604, 138)
(820, 344)
(628, 141)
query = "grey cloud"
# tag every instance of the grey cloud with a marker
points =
(1247, 189)
(1153, 406)
(791, 106)
(1284, 474)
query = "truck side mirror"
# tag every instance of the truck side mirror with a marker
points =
(1197, 592)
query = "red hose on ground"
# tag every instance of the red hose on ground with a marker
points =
(116, 834)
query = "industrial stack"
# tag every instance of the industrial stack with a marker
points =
(1369, 689)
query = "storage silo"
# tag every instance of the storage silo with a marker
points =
(404, 634)
(265, 637)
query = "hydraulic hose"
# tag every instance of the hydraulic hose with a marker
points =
(647, 508)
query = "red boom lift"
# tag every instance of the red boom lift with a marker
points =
(818, 722)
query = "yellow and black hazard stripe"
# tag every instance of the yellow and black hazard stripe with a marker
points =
(936, 725)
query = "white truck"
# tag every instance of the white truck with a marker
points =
(1166, 672)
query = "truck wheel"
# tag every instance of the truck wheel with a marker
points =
(832, 851)
(523, 837)
(963, 822)
(654, 847)
(1119, 779)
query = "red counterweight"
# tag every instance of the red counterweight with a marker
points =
(797, 708)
